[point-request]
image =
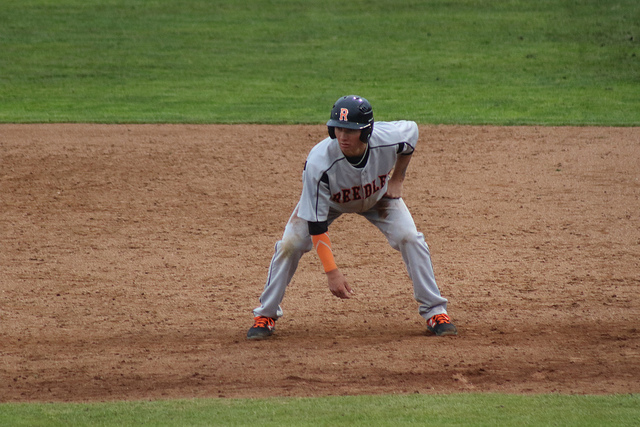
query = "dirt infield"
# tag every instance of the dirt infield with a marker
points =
(131, 257)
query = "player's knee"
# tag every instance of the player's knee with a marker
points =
(295, 244)
(408, 238)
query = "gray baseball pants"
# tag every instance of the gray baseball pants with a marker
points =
(393, 219)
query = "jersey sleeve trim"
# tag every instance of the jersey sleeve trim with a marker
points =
(321, 187)
(316, 228)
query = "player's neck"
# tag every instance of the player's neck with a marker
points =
(359, 161)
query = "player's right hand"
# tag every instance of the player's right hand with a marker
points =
(338, 284)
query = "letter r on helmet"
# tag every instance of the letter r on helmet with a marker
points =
(343, 114)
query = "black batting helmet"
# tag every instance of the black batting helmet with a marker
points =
(352, 112)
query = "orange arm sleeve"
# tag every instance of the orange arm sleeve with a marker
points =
(322, 243)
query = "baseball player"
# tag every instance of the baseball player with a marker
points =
(351, 172)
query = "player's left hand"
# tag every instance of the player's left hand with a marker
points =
(394, 189)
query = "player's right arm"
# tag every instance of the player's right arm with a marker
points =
(314, 208)
(337, 282)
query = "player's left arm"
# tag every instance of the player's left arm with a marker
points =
(394, 186)
(406, 131)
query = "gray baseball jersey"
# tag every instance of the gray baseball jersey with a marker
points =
(331, 182)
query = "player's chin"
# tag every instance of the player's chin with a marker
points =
(350, 149)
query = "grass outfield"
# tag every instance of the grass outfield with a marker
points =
(458, 409)
(548, 62)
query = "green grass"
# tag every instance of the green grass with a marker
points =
(419, 410)
(547, 62)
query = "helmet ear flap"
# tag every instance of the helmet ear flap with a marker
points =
(365, 134)
(332, 132)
